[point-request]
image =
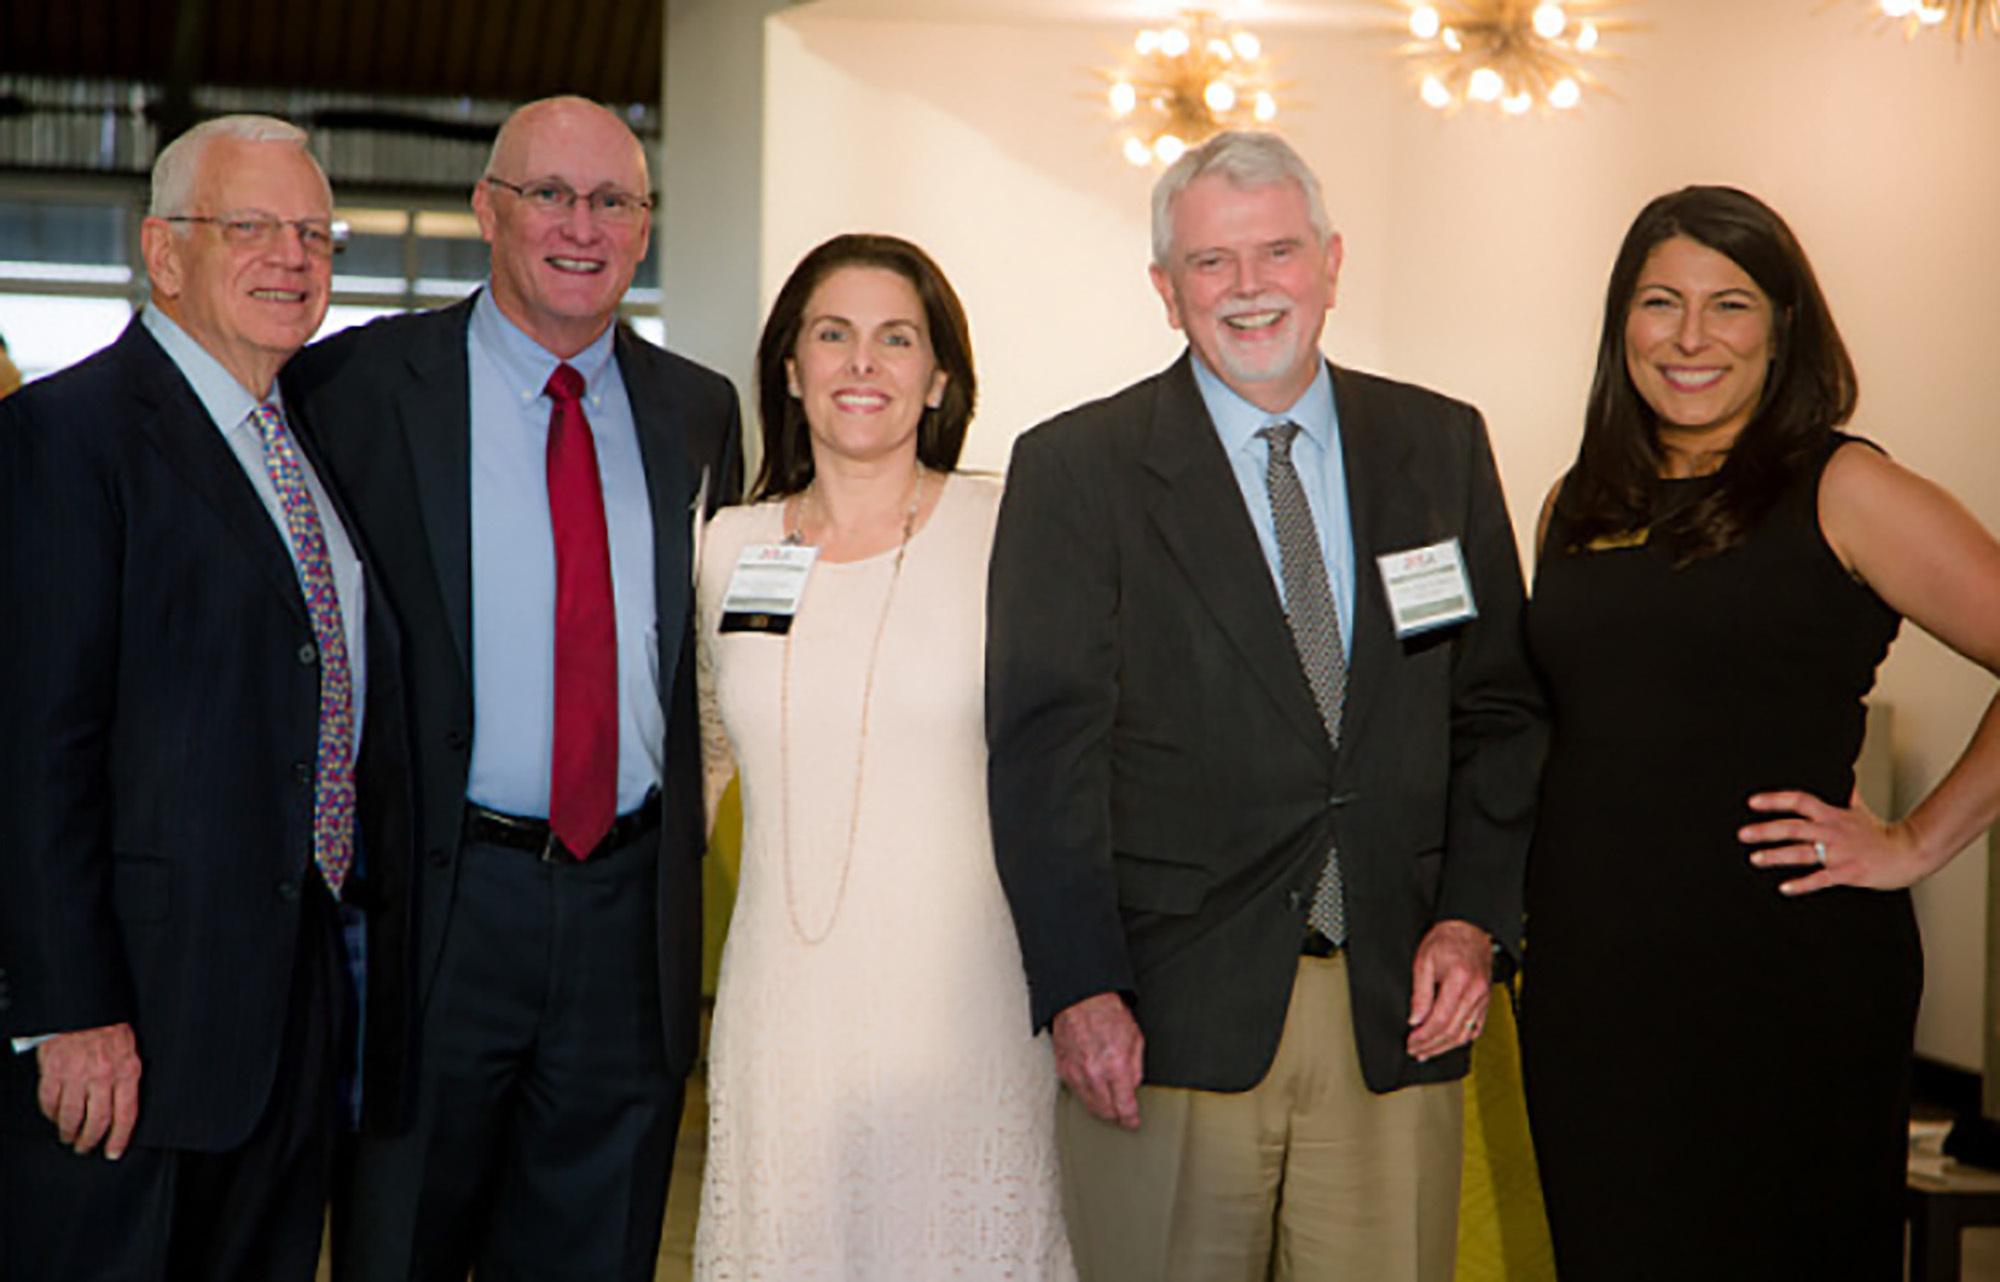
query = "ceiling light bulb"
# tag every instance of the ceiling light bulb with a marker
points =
(1123, 98)
(1138, 153)
(1517, 104)
(1424, 22)
(1549, 21)
(1220, 96)
(1168, 148)
(1565, 93)
(1434, 93)
(1930, 16)
(1485, 85)
(1586, 37)
(1450, 37)
(1267, 108)
(1146, 42)
(1247, 45)
(1220, 50)
(1174, 42)
(1898, 8)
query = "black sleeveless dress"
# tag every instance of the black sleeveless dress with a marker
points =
(1717, 1075)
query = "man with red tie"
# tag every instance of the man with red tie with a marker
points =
(528, 473)
(195, 676)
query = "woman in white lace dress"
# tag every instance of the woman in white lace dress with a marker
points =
(878, 1108)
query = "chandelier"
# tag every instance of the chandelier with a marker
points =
(1510, 56)
(1185, 81)
(1965, 19)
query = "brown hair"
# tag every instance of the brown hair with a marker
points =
(1809, 389)
(787, 466)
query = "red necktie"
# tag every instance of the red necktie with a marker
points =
(583, 781)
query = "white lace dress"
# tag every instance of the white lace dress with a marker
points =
(878, 1110)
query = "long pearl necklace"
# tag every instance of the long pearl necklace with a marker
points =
(861, 751)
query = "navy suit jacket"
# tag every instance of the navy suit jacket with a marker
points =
(159, 684)
(389, 406)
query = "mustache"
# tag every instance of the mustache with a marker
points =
(1249, 306)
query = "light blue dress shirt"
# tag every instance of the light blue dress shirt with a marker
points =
(514, 568)
(1316, 457)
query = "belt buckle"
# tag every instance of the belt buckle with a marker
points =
(553, 851)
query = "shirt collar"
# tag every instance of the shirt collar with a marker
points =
(524, 364)
(1237, 421)
(227, 401)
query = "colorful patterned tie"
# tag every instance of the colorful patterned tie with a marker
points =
(583, 780)
(1315, 632)
(333, 790)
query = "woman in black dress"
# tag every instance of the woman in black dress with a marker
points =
(1722, 968)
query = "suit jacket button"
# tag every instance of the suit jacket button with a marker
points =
(288, 891)
(456, 740)
(302, 772)
(308, 654)
(1295, 900)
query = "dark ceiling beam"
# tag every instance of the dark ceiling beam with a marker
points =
(184, 68)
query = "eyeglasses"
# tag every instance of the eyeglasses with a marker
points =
(553, 198)
(321, 237)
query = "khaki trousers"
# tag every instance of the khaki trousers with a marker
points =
(1307, 1177)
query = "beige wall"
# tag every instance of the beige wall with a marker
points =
(1477, 249)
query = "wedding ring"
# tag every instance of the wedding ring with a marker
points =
(1819, 851)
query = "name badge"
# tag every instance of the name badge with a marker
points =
(1427, 588)
(766, 587)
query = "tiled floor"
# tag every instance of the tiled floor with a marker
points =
(1981, 1264)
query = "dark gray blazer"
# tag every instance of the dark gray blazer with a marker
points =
(1162, 789)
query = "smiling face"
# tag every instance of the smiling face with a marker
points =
(1698, 344)
(249, 305)
(561, 275)
(863, 368)
(1249, 281)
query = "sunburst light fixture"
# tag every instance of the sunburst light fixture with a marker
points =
(1510, 56)
(1966, 20)
(1187, 80)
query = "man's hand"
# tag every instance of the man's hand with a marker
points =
(90, 1087)
(1454, 978)
(1101, 1056)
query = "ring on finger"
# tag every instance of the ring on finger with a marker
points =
(1819, 852)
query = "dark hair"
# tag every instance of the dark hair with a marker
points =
(1809, 389)
(787, 467)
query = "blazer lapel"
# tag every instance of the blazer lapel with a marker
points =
(671, 491)
(1198, 509)
(182, 431)
(1379, 494)
(434, 411)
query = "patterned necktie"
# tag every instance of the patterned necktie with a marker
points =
(1315, 632)
(583, 779)
(333, 784)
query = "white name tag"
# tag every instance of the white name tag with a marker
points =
(1427, 588)
(766, 587)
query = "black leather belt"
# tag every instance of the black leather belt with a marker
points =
(533, 835)
(1317, 945)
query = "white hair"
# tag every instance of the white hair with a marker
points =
(1249, 160)
(178, 165)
